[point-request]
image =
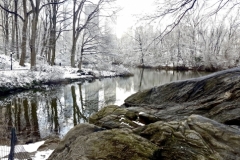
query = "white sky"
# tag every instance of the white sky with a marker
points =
(130, 8)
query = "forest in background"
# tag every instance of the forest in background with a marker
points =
(58, 32)
(193, 34)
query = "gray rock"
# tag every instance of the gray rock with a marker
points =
(74, 133)
(195, 138)
(114, 116)
(115, 144)
(216, 96)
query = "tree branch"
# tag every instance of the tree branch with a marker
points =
(11, 12)
(51, 3)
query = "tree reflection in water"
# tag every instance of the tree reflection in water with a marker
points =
(55, 110)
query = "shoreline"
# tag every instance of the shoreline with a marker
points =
(5, 90)
(184, 68)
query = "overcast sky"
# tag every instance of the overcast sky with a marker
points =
(130, 8)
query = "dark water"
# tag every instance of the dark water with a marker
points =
(55, 110)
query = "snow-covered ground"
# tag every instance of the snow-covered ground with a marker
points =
(39, 155)
(29, 148)
(23, 77)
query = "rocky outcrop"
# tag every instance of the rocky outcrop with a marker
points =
(216, 96)
(196, 119)
(88, 142)
(196, 137)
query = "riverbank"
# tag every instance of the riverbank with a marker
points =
(185, 68)
(24, 79)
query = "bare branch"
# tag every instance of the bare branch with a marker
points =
(11, 12)
(51, 3)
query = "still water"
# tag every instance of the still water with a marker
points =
(37, 114)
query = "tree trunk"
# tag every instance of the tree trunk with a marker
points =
(53, 33)
(16, 27)
(80, 59)
(53, 55)
(45, 37)
(6, 28)
(24, 42)
(33, 40)
(13, 36)
(24, 34)
(34, 32)
(73, 52)
(74, 41)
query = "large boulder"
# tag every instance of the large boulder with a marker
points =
(216, 96)
(87, 143)
(195, 138)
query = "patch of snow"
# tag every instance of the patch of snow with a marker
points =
(126, 124)
(142, 113)
(32, 147)
(121, 119)
(139, 123)
(42, 155)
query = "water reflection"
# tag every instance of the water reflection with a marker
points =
(54, 111)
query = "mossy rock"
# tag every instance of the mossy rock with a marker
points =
(131, 115)
(195, 138)
(108, 110)
(115, 144)
(114, 117)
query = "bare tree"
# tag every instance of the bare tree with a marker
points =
(34, 12)
(88, 44)
(176, 10)
(91, 12)
(78, 25)
(6, 25)
(54, 34)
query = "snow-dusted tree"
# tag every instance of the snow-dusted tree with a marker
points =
(192, 36)
(55, 19)
(36, 8)
(97, 44)
(79, 25)
(125, 49)
(31, 10)
(6, 24)
(174, 11)
(143, 48)
(54, 23)
(85, 17)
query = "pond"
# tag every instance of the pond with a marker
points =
(37, 114)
